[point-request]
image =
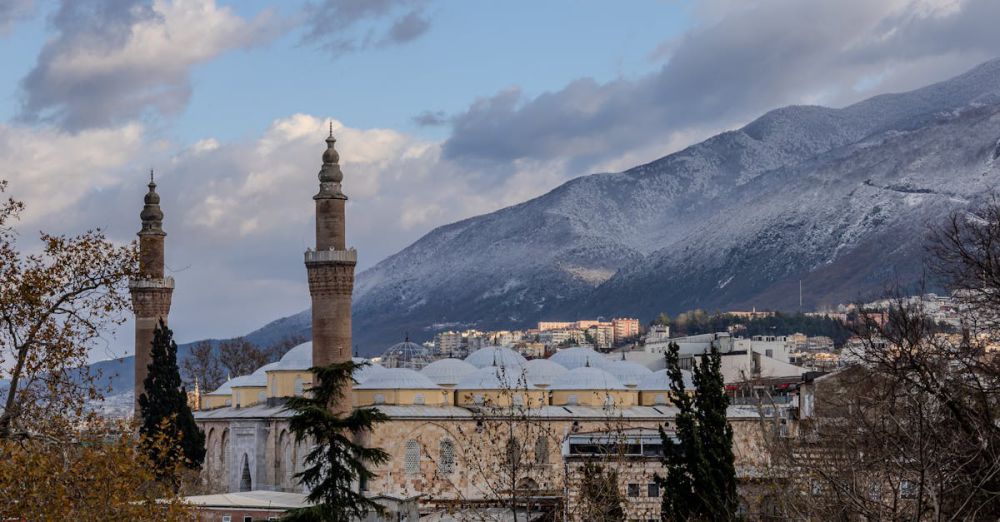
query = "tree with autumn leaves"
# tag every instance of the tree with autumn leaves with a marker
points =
(57, 459)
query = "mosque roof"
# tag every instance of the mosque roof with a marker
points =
(447, 371)
(257, 378)
(298, 358)
(659, 380)
(628, 372)
(542, 371)
(495, 356)
(496, 378)
(227, 387)
(578, 357)
(397, 379)
(366, 372)
(586, 378)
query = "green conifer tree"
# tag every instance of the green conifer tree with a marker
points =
(166, 415)
(700, 483)
(337, 462)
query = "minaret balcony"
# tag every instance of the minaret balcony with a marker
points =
(137, 284)
(325, 256)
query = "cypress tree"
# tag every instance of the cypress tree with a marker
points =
(337, 460)
(166, 415)
(700, 483)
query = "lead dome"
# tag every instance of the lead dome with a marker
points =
(578, 357)
(397, 379)
(406, 354)
(629, 373)
(660, 381)
(586, 378)
(495, 356)
(447, 372)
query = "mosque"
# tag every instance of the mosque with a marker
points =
(462, 434)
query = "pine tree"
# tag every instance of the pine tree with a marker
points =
(701, 474)
(166, 415)
(337, 461)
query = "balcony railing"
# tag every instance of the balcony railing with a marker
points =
(347, 256)
(166, 282)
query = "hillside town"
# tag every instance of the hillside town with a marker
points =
(425, 261)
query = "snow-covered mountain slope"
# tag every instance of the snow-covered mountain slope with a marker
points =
(838, 198)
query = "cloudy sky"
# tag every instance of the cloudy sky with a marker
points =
(443, 110)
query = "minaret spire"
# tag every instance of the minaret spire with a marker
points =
(151, 289)
(330, 269)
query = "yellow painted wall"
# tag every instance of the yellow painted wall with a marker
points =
(281, 383)
(622, 398)
(403, 397)
(532, 398)
(209, 402)
(244, 396)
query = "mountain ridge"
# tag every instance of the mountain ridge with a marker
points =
(526, 262)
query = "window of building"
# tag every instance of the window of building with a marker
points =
(261, 397)
(519, 400)
(247, 519)
(542, 450)
(227, 518)
(412, 457)
(446, 459)
(379, 398)
(418, 398)
(609, 401)
(653, 490)
(298, 386)
(633, 490)
(571, 400)
(660, 399)
(477, 398)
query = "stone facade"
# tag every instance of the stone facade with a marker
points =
(455, 457)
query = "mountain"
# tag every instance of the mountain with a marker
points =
(837, 198)
(117, 376)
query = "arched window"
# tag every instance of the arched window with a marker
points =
(284, 460)
(446, 458)
(298, 386)
(224, 447)
(542, 450)
(246, 481)
(418, 398)
(513, 453)
(412, 458)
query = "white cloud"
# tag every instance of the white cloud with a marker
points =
(111, 63)
(53, 170)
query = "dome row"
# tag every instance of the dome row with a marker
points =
(490, 368)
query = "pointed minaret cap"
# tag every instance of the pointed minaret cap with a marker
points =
(151, 215)
(330, 174)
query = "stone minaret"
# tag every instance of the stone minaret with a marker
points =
(331, 268)
(151, 290)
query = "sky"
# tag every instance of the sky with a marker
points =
(442, 109)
